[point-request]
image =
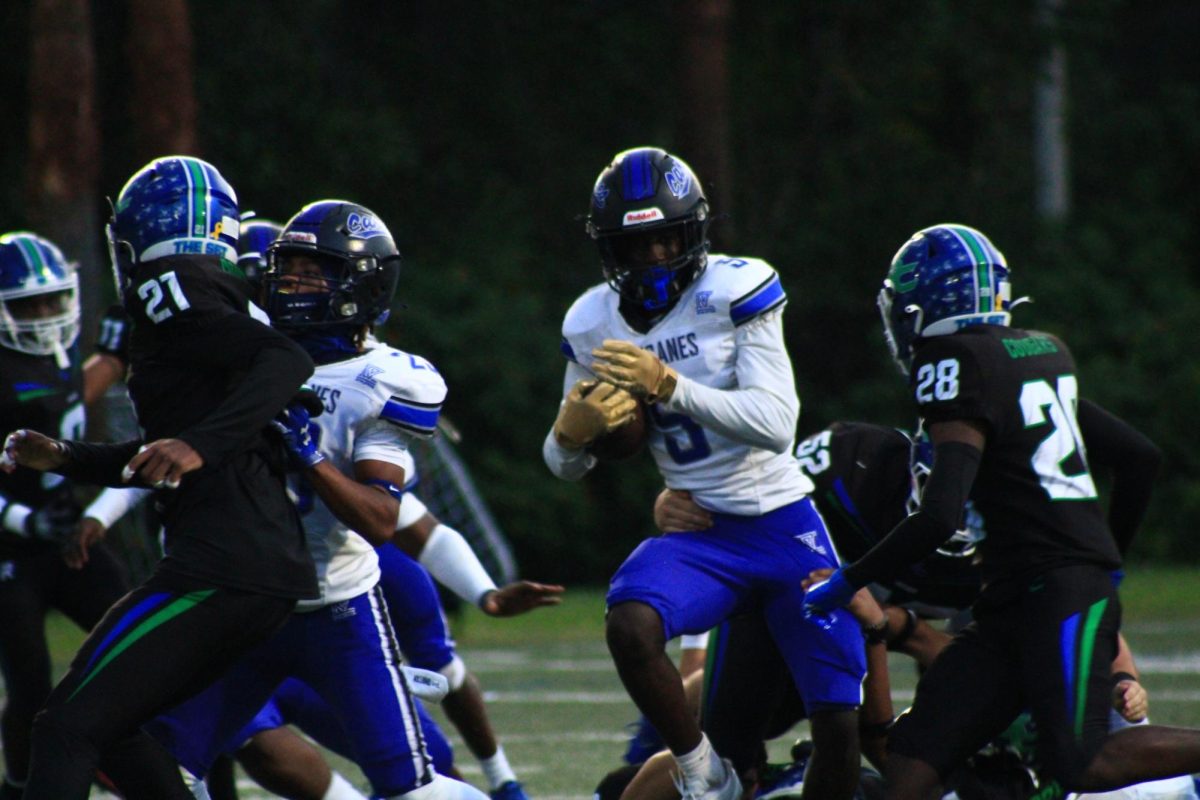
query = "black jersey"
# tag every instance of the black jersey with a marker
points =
(1034, 486)
(37, 394)
(204, 371)
(863, 483)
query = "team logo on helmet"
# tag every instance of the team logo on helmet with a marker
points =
(364, 226)
(679, 181)
(600, 196)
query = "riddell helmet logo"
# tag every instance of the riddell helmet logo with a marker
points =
(645, 215)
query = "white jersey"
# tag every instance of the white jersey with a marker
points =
(726, 433)
(374, 403)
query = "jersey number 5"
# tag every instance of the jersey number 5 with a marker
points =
(1041, 403)
(152, 292)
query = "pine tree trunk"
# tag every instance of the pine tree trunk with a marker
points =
(64, 145)
(159, 53)
(704, 100)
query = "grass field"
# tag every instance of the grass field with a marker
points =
(560, 710)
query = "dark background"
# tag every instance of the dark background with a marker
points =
(825, 132)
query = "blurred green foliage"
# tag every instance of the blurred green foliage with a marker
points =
(476, 129)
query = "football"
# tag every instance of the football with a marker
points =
(624, 442)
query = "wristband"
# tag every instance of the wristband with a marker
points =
(910, 625)
(877, 633)
(1123, 676)
(13, 516)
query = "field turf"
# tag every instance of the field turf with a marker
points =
(560, 710)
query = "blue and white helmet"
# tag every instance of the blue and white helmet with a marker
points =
(942, 279)
(256, 236)
(175, 205)
(33, 271)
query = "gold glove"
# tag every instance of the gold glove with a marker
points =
(590, 409)
(635, 370)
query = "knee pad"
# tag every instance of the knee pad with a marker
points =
(455, 672)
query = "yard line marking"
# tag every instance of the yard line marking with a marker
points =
(1174, 664)
(588, 698)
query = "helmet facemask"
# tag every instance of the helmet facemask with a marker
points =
(651, 285)
(345, 292)
(901, 327)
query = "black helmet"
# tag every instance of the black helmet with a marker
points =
(648, 190)
(359, 266)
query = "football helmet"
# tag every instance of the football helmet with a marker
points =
(358, 262)
(647, 191)
(967, 538)
(255, 237)
(174, 205)
(39, 296)
(942, 279)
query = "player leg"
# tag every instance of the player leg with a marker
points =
(416, 613)
(356, 669)
(968, 696)
(24, 661)
(746, 686)
(681, 583)
(825, 654)
(159, 645)
(1071, 626)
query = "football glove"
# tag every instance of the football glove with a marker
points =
(591, 409)
(828, 595)
(635, 370)
(298, 434)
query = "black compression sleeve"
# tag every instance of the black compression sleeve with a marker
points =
(1133, 460)
(954, 467)
(97, 463)
(273, 369)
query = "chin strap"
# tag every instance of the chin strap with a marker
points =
(325, 347)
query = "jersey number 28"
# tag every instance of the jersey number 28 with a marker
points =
(1042, 403)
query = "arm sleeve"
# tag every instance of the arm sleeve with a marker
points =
(272, 369)
(97, 463)
(1134, 461)
(762, 410)
(112, 504)
(570, 465)
(917, 535)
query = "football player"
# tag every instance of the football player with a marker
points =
(868, 478)
(1003, 410)
(699, 338)
(206, 381)
(430, 547)
(331, 274)
(42, 391)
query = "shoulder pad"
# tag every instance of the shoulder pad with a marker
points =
(750, 286)
(413, 388)
(581, 330)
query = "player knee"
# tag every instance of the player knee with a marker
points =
(634, 630)
(443, 788)
(455, 673)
